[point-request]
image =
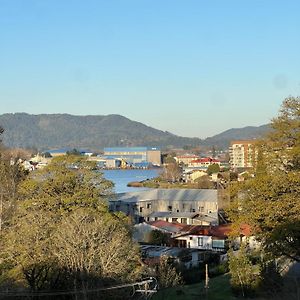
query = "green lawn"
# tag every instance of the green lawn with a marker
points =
(219, 289)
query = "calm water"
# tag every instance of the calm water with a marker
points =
(122, 177)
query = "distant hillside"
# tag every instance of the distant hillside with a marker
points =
(222, 140)
(48, 131)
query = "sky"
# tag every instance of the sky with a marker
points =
(191, 67)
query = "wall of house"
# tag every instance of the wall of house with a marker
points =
(195, 175)
(147, 207)
(203, 242)
(182, 220)
(186, 159)
(197, 242)
(213, 222)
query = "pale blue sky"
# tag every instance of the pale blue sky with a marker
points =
(192, 67)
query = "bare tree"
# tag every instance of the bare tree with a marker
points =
(95, 244)
(171, 172)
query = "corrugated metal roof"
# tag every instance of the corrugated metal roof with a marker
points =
(171, 227)
(125, 149)
(207, 195)
(159, 214)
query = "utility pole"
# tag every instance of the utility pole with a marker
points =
(206, 281)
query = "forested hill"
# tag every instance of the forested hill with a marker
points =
(48, 131)
(223, 139)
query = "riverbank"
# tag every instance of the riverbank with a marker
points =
(156, 183)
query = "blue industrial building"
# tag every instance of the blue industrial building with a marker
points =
(140, 157)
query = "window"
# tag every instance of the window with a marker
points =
(200, 241)
(141, 209)
(191, 238)
(201, 208)
(218, 244)
(170, 208)
(148, 205)
(174, 220)
(183, 221)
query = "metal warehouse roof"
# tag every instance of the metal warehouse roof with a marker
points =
(131, 149)
(207, 195)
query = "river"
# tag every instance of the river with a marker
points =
(122, 177)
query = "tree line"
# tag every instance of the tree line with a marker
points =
(270, 203)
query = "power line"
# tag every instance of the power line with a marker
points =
(146, 283)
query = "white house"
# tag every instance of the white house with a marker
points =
(203, 237)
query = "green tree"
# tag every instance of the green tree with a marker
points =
(169, 159)
(157, 237)
(204, 182)
(284, 140)
(62, 234)
(213, 168)
(12, 174)
(166, 274)
(245, 277)
(65, 184)
(269, 202)
(74, 152)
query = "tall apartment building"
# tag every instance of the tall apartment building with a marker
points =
(242, 154)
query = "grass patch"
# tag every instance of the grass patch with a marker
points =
(219, 289)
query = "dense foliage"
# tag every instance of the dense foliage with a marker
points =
(269, 202)
(167, 275)
(62, 235)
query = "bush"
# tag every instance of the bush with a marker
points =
(219, 270)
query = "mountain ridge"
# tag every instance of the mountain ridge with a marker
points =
(46, 131)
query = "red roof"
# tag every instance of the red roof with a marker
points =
(187, 156)
(245, 229)
(221, 231)
(164, 224)
(204, 160)
(195, 230)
